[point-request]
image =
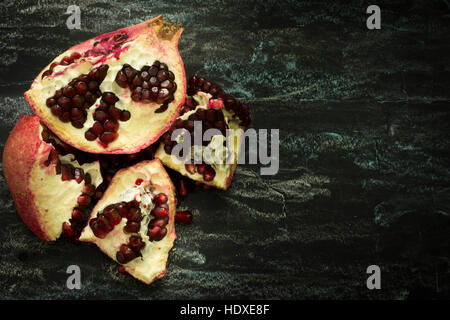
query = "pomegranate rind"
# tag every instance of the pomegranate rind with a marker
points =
(42, 199)
(155, 254)
(147, 40)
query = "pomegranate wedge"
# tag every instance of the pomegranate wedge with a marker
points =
(133, 223)
(50, 191)
(116, 93)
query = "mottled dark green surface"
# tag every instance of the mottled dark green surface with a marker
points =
(364, 127)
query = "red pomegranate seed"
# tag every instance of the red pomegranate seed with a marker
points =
(132, 227)
(95, 227)
(159, 212)
(97, 128)
(65, 61)
(111, 125)
(182, 188)
(162, 234)
(154, 232)
(134, 215)
(201, 168)
(77, 214)
(115, 113)
(108, 137)
(122, 269)
(190, 167)
(81, 88)
(209, 174)
(122, 208)
(127, 253)
(158, 222)
(104, 224)
(66, 173)
(183, 217)
(136, 244)
(84, 200)
(138, 181)
(67, 230)
(160, 198)
(110, 98)
(113, 216)
(89, 189)
(90, 135)
(74, 56)
(125, 115)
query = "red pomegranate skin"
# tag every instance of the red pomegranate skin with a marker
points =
(25, 135)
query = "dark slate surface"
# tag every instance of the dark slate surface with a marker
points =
(364, 175)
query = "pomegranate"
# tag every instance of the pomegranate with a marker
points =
(209, 104)
(133, 223)
(116, 93)
(50, 188)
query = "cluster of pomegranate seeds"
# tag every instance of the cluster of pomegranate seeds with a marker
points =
(71, 102)
(65, 61)
(111, 216)
(157, 227)
(183, 217)
(130, 251)
(239, 109)
(210, 118)
(133, 215)
(107, 117)
(152, 83)
(106, 45)
(206, 170)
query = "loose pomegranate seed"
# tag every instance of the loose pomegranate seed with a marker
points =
(122, 268)
(182, 188)
(113, 217)
(160, 198)
(183, 217)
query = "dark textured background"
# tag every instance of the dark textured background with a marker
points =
(364, 174)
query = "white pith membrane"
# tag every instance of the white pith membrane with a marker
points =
(123, 187)
(224, 171)
(145, 126)
(55, 199)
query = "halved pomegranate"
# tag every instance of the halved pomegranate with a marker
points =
(133, 223)
(51, 190)
(115, 93)
(209, 104)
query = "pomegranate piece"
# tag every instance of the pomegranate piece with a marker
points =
(208, 103)
(130, 243)
(31, 159)
(153, 90)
